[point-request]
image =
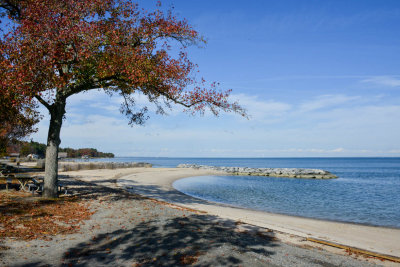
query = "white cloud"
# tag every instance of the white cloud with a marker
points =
(327, 125)
(88, 96)
(260, 110)
(301, 150)
(326, 101)
(389, 81)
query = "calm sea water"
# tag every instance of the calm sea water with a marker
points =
(367, 190)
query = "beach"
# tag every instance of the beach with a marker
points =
(157, 183)
(156, 225)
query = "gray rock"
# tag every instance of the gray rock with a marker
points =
(273, 172)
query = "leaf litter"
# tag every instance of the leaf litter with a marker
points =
(26, 218)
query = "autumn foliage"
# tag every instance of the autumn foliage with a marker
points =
(54, 49)
(17, 121)
(60, 48)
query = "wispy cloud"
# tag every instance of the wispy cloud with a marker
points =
(326, 125)
(306, 150)
(262, 110)
(327, 101)
(388, 81)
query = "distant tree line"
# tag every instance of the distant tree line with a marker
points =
(32, 147)
(39, 149)
(91, 152)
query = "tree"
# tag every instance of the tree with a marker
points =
(17, 117)
(55, 49)
(16, 121)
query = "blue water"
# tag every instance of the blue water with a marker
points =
(367, 190)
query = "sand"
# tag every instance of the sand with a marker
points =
(130, 230)
(157, 183)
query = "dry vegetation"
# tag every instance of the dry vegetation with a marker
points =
(26, 217)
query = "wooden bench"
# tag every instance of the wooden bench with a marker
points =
(6, 172)
(7, 179)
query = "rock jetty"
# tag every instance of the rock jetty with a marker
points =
(273, 172)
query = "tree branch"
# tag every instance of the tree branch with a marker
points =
(173, 99)
(43, 102)
(89, 85)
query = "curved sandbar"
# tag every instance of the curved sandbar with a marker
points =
(157, 183)
(273, 172)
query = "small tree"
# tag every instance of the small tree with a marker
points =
(56, 49)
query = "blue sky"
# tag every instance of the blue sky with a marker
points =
(319, 78)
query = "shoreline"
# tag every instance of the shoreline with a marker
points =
(291, 215)
(128, 229)
(157, 183)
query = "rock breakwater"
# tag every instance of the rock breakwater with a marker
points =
(273, 172)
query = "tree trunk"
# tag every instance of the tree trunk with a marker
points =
(57, 111)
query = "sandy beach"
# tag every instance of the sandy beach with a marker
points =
(157, 225)
(157, 183)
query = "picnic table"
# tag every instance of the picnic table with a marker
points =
(26, 180)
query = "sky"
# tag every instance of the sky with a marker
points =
(318, 79)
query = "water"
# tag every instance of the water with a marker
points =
(367, 190)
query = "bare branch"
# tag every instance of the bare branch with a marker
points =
(134, 117)
(43, 102)
(153, 88)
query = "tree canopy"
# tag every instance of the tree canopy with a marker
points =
(54, 49)
(61, 48)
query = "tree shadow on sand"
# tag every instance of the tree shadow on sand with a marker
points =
(183, 239)
(150, 234)
(161, 193)
(193, 240)
(95, 190)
